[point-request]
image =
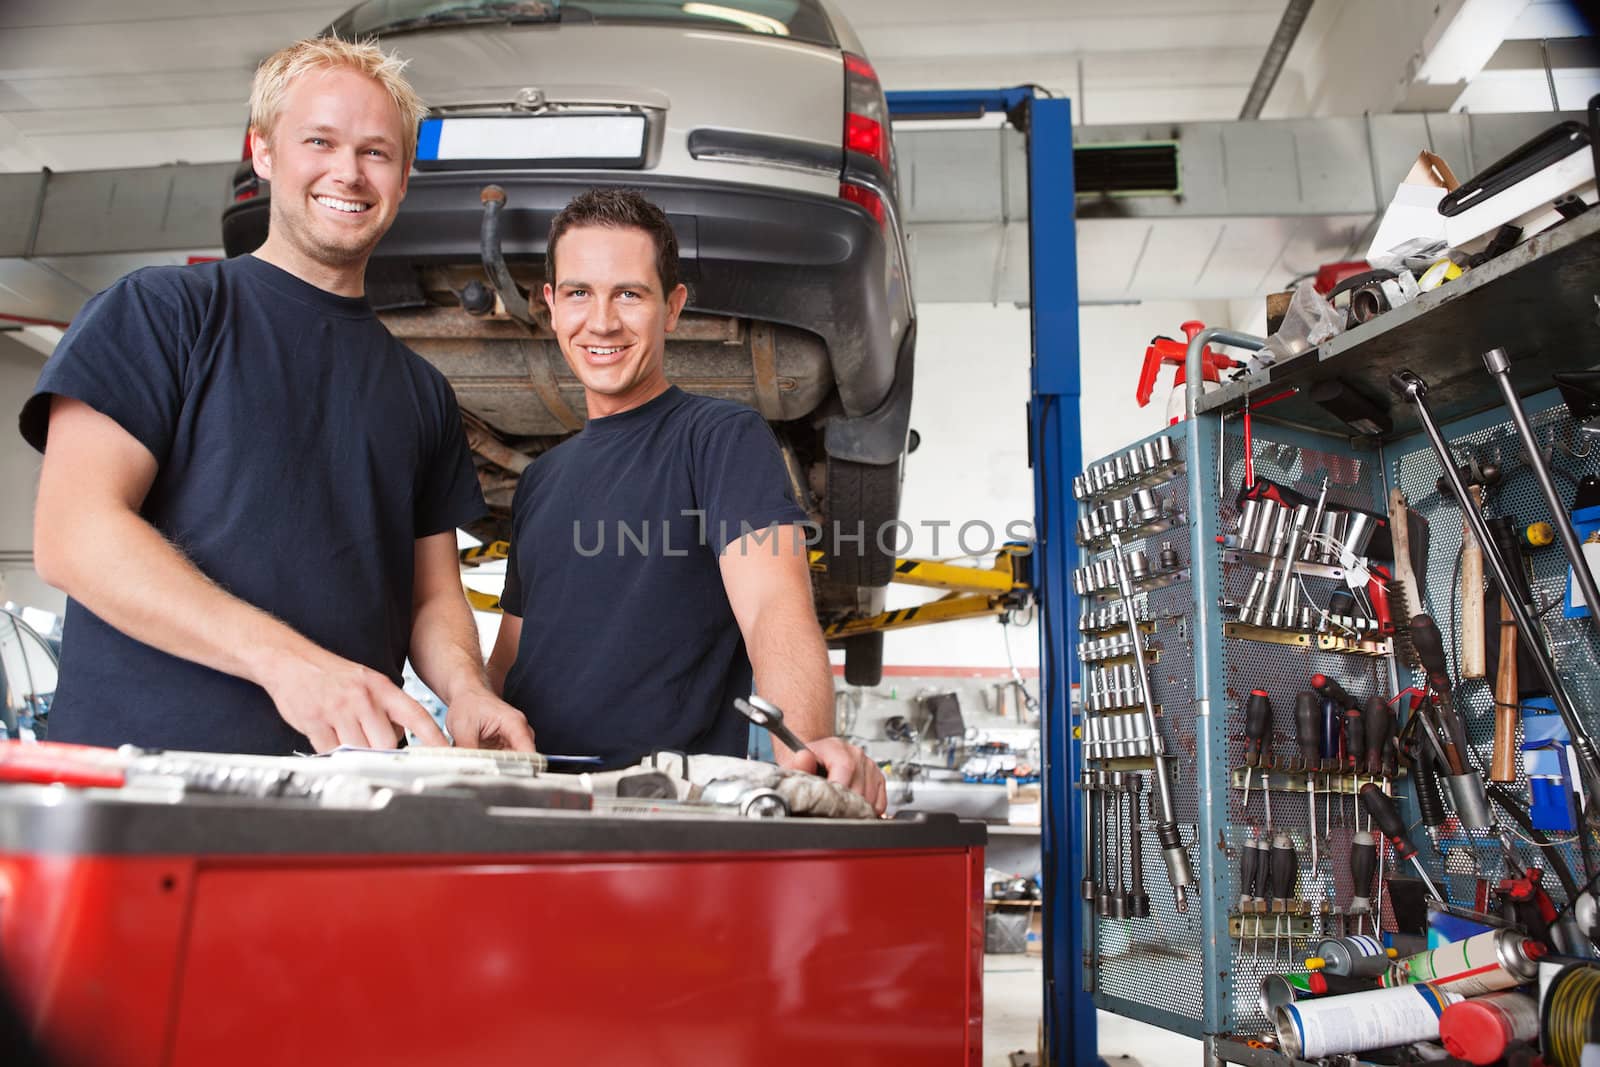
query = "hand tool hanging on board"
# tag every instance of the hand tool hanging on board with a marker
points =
(1408, 385)
(1355, 740)
(1363, 862)
(1089, 888)
(1383, 812)
(1179, 872)
(1262, 887)
(1499, 366)
(1249, 859)
(1508, 542)
(1285, 872)
(1308, 734)
(1336, 705)
(1138, 899)
(1429, 644)
(1503, 756)
(1257, 718)
(1423, 761)
(1466, 785)
(1119, 893)
(1408, 532)
(1474, 663)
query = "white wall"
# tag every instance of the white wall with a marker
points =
(969, 407)
(19, 478)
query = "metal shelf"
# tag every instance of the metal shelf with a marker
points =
(1537, 301)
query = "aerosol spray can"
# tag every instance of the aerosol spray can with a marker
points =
(1484, 963)
(1294, 986)
(1360, 1022)
(1481, 1030)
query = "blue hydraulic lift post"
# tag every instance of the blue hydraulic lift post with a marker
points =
(1055, 438)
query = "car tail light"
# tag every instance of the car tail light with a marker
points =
(860, 194)
(866, 130)
(866, 116)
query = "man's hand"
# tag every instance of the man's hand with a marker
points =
(479, 719)
(336, 702)
(847, 765)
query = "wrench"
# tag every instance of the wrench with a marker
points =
(766, 714)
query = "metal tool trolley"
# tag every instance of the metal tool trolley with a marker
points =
(1254, 677)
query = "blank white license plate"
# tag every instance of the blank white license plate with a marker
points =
(572, 140)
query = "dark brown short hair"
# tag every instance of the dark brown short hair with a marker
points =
(618, 209)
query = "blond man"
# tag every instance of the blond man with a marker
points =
(250, 489)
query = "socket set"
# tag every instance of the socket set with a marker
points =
(1114, 802)
(1101, 575)
(1111, 688)
(1156, 456)
(1108, 737)
(1294, 539)
(1099, 649)
(1125, 515)
(1112, 615)
(1264, 523)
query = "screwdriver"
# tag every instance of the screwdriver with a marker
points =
(1354, 744)
(1257, 714)
(1259, 888)
(1363, 860)
(1336, 701)
(1285, 869)
(1382, 809)
(1332, 740)
(1248, 861)
(1308, 732)
(1377, 728)
(1329, 689)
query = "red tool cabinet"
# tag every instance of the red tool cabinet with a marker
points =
(214, 930)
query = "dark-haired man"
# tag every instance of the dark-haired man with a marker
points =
(658, 564)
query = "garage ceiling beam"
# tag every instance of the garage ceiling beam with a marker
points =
(142, 209)
(1294, 17)
(1260, 202)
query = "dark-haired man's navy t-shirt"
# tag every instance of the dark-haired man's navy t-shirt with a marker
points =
(628, 643)
(301, 451)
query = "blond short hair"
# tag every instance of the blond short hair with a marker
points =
(279, 70)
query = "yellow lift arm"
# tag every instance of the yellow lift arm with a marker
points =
(972, 591)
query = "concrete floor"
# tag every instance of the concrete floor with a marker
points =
(1013, 999)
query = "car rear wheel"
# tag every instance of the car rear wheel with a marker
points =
(863, 499)
(863, 659)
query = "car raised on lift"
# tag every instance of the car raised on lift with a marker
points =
(761, 129)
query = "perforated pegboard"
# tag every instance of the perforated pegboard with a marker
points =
(1415, 470)
(1152, 961)
(1297, 462)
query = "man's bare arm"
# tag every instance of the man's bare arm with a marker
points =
(446, 653)
(504, 653)
(91, 542)
(768, 582)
